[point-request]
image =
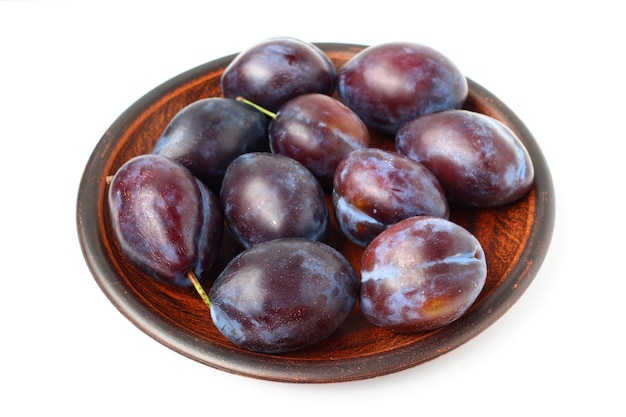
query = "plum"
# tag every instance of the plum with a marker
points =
(268, 196)
(166, 222)
(389, 84)
(374, 189)
(421, 274)
(208, 134)
(318, 131)
(478, 160)
(283, 295)
(273, 71)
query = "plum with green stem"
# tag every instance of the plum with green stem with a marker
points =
(316, 130)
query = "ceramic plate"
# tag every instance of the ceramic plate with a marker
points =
(515, 238)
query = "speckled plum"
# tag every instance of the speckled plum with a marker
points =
(283, 295)
(478, 160)
(389, 84)
(421, 274)
(374, 189)
(268, 196)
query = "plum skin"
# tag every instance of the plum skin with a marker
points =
(166, 221)
(421, 274)
(283, 295)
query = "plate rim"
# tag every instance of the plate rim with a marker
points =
(277, 368)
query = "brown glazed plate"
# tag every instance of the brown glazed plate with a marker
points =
(515, 239)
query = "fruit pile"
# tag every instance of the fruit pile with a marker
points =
(284, 151)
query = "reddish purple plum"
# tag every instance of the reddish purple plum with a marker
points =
(166, 222)
(421, 274)
(318, 131)
(374, 189)
(477, 159)
(389, 84)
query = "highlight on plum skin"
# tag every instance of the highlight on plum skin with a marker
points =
(283, 295)
(478, 160)
(374, 189)
(421, 274)
(166, 221)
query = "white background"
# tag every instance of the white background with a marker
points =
(68, 69)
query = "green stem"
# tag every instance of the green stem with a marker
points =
(256, 106)
(196, 284)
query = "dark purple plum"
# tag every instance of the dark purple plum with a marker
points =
(421, 274)
(478, 160)
(206, 135)
(283, 295)
(374, 189)
(275, 70)
(166, 222)
(268, 196)
(318, 131)
(389, 84)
